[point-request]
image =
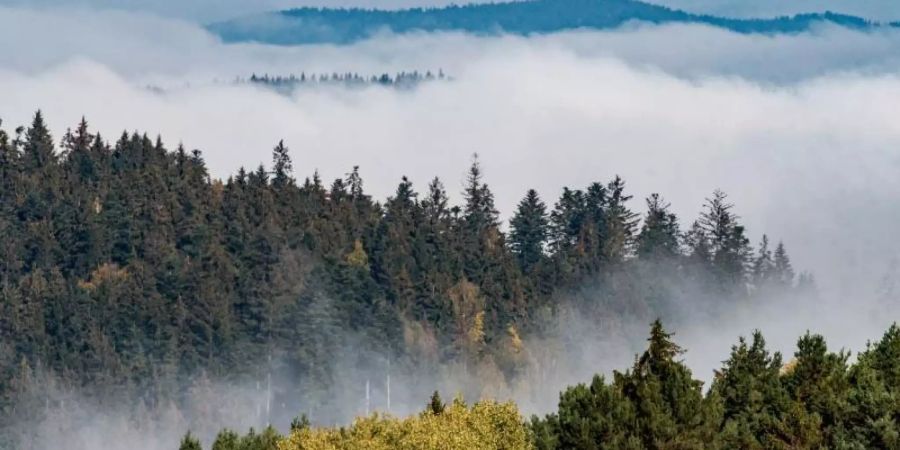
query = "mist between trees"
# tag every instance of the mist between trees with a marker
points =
(140, 298)
(815, 400)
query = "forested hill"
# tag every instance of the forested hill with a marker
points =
(128, 273)
(326, 25)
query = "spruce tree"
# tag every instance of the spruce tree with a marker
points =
(755, 403)
(189, 442)
(393, 251)
(764, 269)
(818, 380)
(479, 212)
(660, 236)
(620, 224)
(480, 225)
(529, 231)
(38, 153)
(435, 404)
(282, 168)
(729, 246)
(783, 271)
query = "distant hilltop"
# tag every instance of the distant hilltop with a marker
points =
(343, 26)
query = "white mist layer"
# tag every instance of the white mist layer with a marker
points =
(812, 163)
(800, 130)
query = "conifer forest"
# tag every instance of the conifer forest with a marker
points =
(417, 225)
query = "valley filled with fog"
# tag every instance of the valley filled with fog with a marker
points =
(800, 130)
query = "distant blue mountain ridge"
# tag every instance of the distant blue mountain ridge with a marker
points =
(343, 26)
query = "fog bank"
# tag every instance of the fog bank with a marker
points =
(800, 130)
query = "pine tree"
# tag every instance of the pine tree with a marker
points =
(355, 184)
(597, 233)
(818, 380)
(393, 251)
(620, 224)
(479, 213)
(698, 245)
(38, 154)
(755, 403)
(226, 440)
(529, 231)
(435, 405)
(282, 168)
(435, 206)
(659, 236)
(729, 247)
(479, 236)
(763, 265)
(783, 272)
(189, 442)
(578, 232)
(657, 404)
(435, 250)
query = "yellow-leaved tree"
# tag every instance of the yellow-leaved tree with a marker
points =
(487, 425)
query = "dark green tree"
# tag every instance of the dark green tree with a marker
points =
(529, 231)
(189, 442)
(619, 223)
(660, 235)
(729, 247)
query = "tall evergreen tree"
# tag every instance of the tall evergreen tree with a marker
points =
(620, 224)
(529, 231)
(729, 247)
(763, 265)
(189, 442)
(783, 271)
(479, 213)
(660, 235)
(282, 168)
(755, 403)
(567, 220)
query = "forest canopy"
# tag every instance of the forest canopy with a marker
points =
(128, 272)
(312, 25)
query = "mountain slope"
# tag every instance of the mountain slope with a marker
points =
(324, 25)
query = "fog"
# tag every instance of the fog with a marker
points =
(800, 130)
(149, 49)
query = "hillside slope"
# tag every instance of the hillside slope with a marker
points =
(341, 26)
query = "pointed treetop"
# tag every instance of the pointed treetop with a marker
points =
(281, 164)
(529, 229)
(783, 270)
(189, 442)
(435, 405)
(661, 349)
(355, 182)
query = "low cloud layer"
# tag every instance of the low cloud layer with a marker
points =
(146, 48)
(800, 130)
